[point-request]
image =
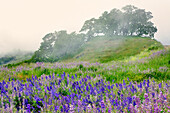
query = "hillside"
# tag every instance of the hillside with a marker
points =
(114, 35)
(154, 64)
(105, 49)
(43, 85)
(15, 57)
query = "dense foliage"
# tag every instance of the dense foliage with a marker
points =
(130, 21)
(58, 45)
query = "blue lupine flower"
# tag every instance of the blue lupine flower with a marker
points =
(118, 92)
(134, 103)
(116, 85)
(112, 86)
(48, 88)
(6, 86)
(144, 82)
(146, 88)
(55, 108)
(35, 77)
(124, 82)
(140, 85)
(147, 84)
(108, 87)
(102, 104)
(32, 77)
(160, 85)
(87, 88)
(15, 88)
(72, 77)
(153, 95)
(3, 82)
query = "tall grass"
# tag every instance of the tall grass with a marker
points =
(153, 64)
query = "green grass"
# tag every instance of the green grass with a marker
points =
(134, 68)
(106, 49)
(120, 58)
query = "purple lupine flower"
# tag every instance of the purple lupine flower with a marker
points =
(134, 103)
(146, 95)
(144, 82)
(124, 83)
(116, 85)
(87, 88)
(72, 77)
(140, 85)
(160, 85)
(15, 88)
(146, 88)
(28, 108)
(102, 104)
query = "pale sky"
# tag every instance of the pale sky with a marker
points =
(23, 23)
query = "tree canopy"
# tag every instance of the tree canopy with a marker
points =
(129, 21)
(56, 46)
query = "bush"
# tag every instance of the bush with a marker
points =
(81, 66)
(153, 48)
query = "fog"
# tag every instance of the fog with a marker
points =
(23, 23)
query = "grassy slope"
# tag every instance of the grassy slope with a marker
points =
(106, 49)
(154, 64)
(148, 63)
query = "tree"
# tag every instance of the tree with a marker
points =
(131, 21)
(45, 49)
(56, 46)
(67, 44)
(89, 27)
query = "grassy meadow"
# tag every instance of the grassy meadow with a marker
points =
(113, 80)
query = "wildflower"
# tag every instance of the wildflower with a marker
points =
(89, 108)
(160, 85)
(71, 109)
(102, 104)
(146, 95)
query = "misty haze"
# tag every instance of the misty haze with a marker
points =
(84, 56)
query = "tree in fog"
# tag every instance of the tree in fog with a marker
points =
(67, 44)
(137, 22)
(58, 45)
(130, 21)
(46, 48)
